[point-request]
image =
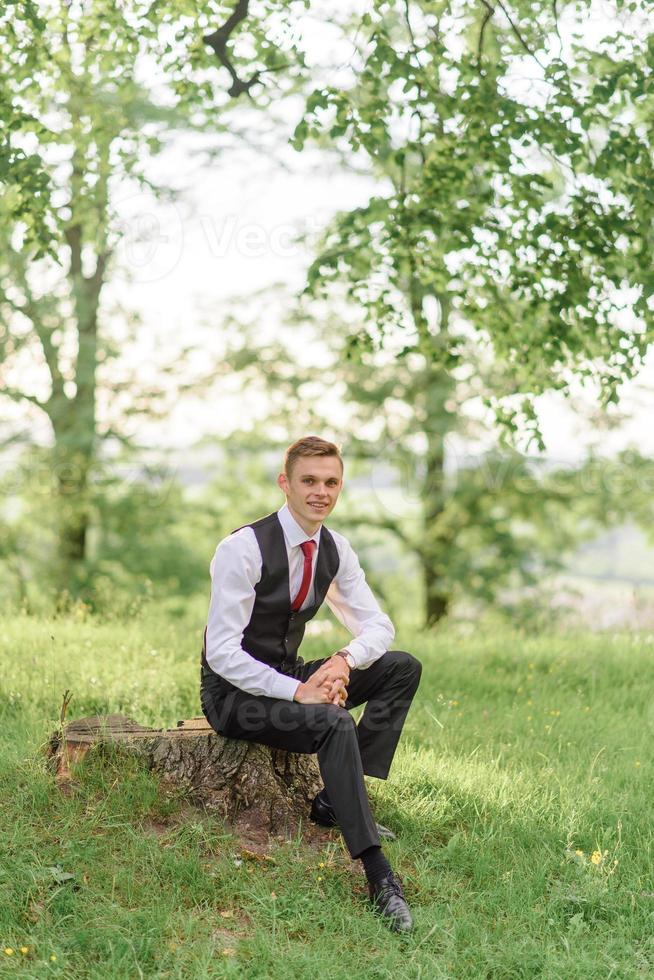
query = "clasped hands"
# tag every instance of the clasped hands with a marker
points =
(327, 685)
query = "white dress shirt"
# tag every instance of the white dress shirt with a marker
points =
(235, 570)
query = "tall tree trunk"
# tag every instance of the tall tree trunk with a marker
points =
(74, 422)
(436, 538)
(433, 391)
(72, 471)
(436, 599)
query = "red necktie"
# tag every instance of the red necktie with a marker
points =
(308, 548)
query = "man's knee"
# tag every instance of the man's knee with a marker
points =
(341, 720)
(338, 727)
(405, 663)
(327, 718)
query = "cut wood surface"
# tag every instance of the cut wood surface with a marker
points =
(259, 788)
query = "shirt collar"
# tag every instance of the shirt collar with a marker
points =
(293, 533)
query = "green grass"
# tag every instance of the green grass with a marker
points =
(522, 758)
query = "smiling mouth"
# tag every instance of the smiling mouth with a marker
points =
(318, 506)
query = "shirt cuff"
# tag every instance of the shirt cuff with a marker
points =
(284, 687)
(356, 650)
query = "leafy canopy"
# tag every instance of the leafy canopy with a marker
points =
(116, 81)
(513, 143)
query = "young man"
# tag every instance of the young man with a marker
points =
(268, 579)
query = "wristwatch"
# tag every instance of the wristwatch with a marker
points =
(347, 657)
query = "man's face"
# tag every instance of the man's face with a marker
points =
(313, 487)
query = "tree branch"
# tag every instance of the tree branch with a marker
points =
(516, 31)
(382, 524)
(407, 20)
(218, 41)
(556, 26)
(73, 236)
(416, 112)
(489, 13)
(30, 310)
(17, 396)
(73, 231)
(97, 279)
(50, 353)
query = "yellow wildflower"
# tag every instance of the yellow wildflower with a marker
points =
(9, 951)
(596, 857)
(24, 950)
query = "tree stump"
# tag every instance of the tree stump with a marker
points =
(257, 788)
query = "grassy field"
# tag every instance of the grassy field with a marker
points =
(522, 795)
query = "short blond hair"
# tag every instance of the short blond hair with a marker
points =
(309, 446)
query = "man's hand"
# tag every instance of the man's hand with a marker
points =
(334, 668)
(328, 685)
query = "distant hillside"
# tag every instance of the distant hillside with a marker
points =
(621, 555)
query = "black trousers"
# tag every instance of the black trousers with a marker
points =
(346, 751)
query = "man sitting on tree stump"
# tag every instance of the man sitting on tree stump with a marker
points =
(269, 578)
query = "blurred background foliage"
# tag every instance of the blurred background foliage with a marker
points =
(509, 527)
(505, 253)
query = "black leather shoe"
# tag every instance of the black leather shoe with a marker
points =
(323, 814)
(388, 900)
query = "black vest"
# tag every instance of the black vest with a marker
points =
(274, 632)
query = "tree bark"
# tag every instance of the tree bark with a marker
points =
(437, 543)
(74, 418)
(251, 786)
(432, 391)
